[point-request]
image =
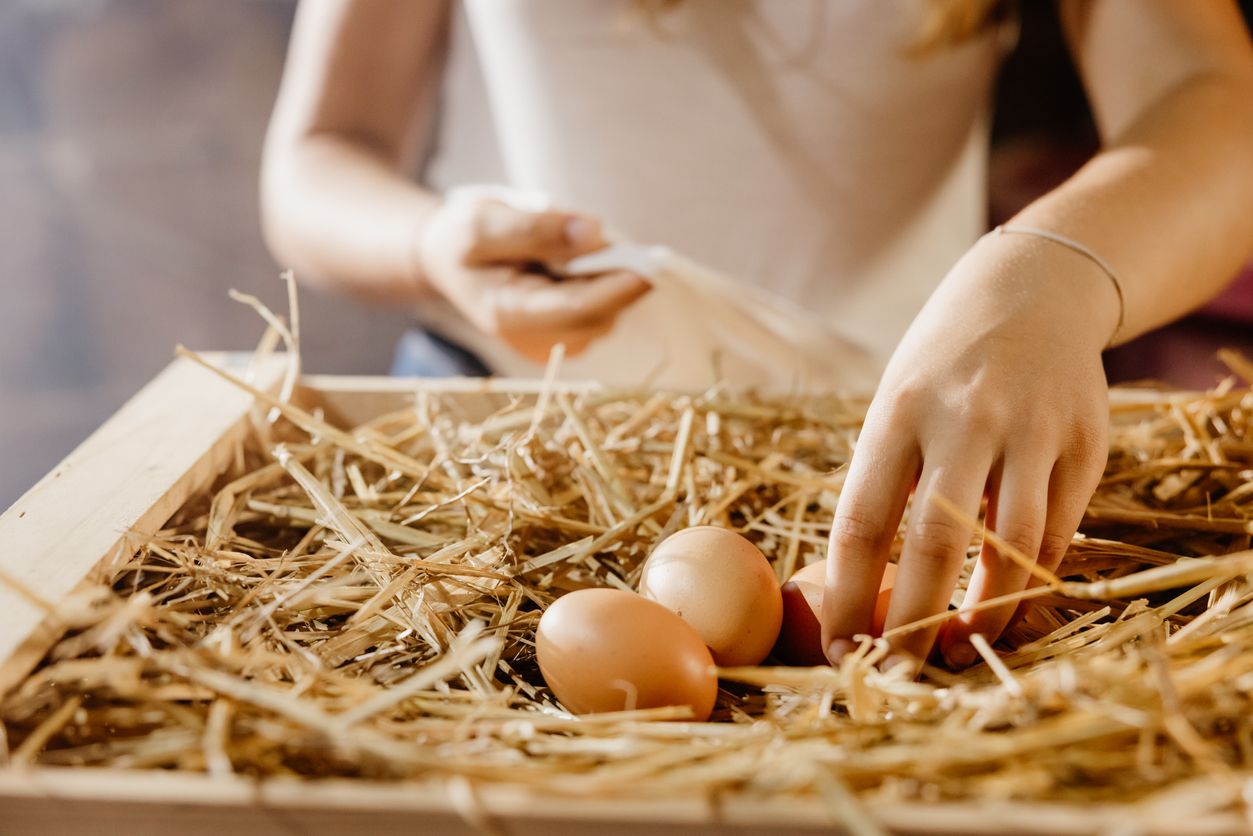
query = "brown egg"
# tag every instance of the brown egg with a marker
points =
(611, 650)
(722, 585)
(800, 639)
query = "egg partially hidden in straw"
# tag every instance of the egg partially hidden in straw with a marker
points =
(611, 650)
(722, 585)
(800, 639)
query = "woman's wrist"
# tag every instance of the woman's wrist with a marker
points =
(419, 273)
(1082, 249)
(1036, 275)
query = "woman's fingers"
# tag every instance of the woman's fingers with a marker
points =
(871, 504)
(1037, 509)
(1074, 481)
(1036, 500)
(935, 544)
(1017, 509)
(539, 303)
(501, 233)
(533, 313)
(478, 254)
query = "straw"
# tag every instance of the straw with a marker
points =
(362, 602)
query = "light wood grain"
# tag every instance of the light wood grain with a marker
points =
(119, 485)
(353, 399)
(47, 801)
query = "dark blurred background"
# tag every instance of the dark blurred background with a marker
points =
(130, 138)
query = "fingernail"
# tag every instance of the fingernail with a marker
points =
(838, 649)
(896, 661)
(961, 655)
(580, 232)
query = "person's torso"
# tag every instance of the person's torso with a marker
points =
(796, 144)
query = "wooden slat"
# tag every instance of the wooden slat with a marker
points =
(123, 482)
(112, 802)
(350, 400)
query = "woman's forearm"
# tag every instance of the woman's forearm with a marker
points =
(343, 217)
(337, 201)
(1169, 205)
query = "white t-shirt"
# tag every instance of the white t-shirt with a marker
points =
(794, 144)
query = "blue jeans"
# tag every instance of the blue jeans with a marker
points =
(423, 353)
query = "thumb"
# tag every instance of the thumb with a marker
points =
(503, 233)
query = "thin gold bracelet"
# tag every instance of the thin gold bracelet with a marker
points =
(1082, 250)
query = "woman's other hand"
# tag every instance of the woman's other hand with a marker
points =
(489, 260)
(997, 390)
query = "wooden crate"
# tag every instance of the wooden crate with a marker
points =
(171, 440)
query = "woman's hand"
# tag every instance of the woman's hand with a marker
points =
(488, 258)
(997, 390)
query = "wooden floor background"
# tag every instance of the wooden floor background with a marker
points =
(130, 135)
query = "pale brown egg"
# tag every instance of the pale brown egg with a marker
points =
(722, 585)
(611, 650)
(800, 638)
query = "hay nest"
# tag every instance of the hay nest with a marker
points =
(363, 602)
